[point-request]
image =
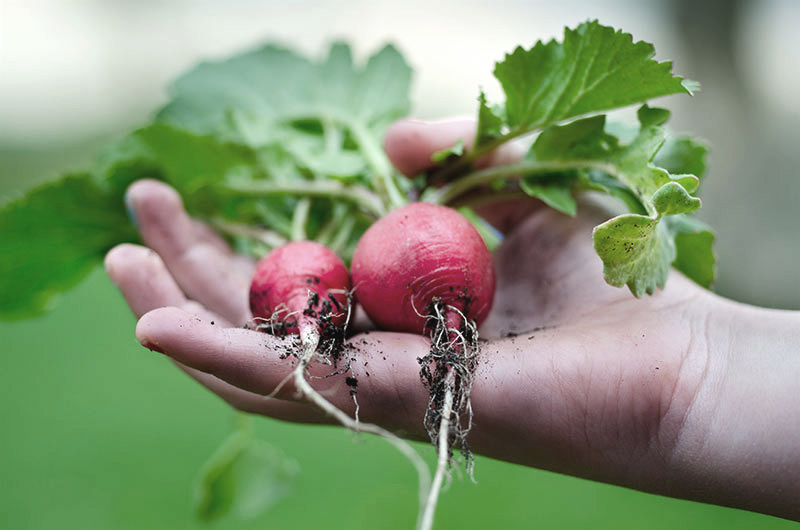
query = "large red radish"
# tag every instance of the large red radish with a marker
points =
(419, 254)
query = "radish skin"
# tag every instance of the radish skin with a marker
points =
(284, 278)
(415, 255)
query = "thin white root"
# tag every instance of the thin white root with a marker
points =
(280, 386)
(444, 454)
(309, 340)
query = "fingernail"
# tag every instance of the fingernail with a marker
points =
(130, 209)
(151, 346)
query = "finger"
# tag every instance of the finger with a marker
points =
(385, 366)
(146, 284)
(204, 269)
(255, 403)
(204, 233)
(410, 144)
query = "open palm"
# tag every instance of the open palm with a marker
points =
(577, 376)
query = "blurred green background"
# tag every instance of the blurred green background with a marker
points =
(99, 433)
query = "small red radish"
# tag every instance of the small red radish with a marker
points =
(301, 282)
(303, 287)
(424, 268)
(416, 255)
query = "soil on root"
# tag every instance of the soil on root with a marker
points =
(450, 364)
(332, 348)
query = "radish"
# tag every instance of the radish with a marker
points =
(419, 254)
(303, 288)
(304, 282)
(424, 268)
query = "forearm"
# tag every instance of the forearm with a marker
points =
(741, 442)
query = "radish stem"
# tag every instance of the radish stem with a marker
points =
(339, 241)
(384, 177)
(300, 218)
(446, 194)
(369, 202)
(268, 237)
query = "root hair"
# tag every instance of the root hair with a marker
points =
(454, 350)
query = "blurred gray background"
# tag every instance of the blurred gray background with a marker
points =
(74, 74)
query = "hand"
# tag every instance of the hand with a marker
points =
(681, 393)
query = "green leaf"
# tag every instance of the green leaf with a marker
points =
(673, 199)
(683, 154)
(490, 122)
(634, 169)
(557, 195)
(244, 477)
(196, 166)
(258, 84)
(694, 242)
(275, 92)
(183, 159)
(602, 182)
(636, 251)
(55, 235)
(595, 69)
(691, 86)
(330, 115)
(648, 116)
(584, 139)
(629, 173)
(52, 237)
(688, 182)
(380, 91)
(637, 248)
(341, 165)
(443, 155)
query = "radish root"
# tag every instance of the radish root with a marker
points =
(443, 460)
(313, 345)
(454, 356)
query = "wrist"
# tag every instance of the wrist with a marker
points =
(740, 443)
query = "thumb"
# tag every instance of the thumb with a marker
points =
(410, 144)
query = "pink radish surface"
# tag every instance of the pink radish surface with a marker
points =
(285, 276)
(418, 254)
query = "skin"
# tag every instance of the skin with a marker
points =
(683, 393)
